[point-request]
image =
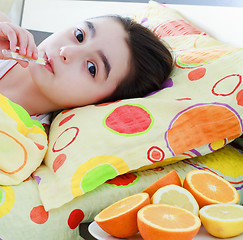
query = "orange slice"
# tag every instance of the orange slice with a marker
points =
(176, 196)
(120, 218)
(170, 178)
(162, 221)
(223, 220)
(209, 188)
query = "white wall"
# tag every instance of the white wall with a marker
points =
(13, 8)
(223, 23)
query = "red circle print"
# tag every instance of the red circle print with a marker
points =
(58, 162)
(66, 119)
(75, 217)
(239, 98)
(129, 120)
(106, 103)
(197, 74)
(175, 28)
(227, 85)
(69, 135)
(39, 215)
(155, 154)
(123, 180)
(40, 147)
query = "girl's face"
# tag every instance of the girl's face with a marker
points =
(85, 63)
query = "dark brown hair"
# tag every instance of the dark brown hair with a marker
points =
(151, 62)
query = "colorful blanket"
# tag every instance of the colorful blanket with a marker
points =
(23, 216)
(23, 143)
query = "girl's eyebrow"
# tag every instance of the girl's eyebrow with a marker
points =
(104, 59)
(91, 27)
(105, 62)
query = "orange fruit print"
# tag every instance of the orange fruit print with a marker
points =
(209, 188)
(211, 122)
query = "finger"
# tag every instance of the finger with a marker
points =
(22, 38)
(4, 45)
(23, 42)
(9, 34)
(27, 44)
(32, 51)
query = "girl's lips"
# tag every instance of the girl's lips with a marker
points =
(48, 66)
(49, 63)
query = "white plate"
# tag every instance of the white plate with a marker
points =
(98, 233)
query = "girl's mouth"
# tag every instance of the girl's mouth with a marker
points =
(49, 63)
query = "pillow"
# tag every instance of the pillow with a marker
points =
(23, 143)
(23, 215)
(170, 26)
(198, 111)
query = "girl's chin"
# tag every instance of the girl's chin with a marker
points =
(37, 71)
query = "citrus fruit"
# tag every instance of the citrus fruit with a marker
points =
(163, 221)
(209, 188)
(170, 178)
(222, 220)
(176, 196)
(120, 218)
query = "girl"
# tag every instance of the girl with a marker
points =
(101, 59)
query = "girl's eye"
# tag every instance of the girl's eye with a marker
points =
(79, 35)
(92, 69)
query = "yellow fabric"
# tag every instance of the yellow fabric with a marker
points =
(23, 143)
(21, 209)
(199, 111)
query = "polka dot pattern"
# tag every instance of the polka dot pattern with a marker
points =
(59, 161)
(125, 180)
(38, 215)
(7, 199)
(129, 120)
(106, 143)
(83, 179)
(197, 111)
(217, 145)
(13, 143)
(175, 28)
(239, 98)
(224, 86)
(23, 143)
(155, 154)
(197, 74)
(75, 217)
(65, 139)
(215, 121)
(68, 118)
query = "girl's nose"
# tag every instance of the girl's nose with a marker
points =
(68, 53)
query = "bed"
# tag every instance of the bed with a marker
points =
(84, 173)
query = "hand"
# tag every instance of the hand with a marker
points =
(11, 36)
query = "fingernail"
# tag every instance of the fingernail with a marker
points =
(36, 55)
(29, 54)
(23, 51)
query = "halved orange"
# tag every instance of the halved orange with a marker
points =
(120, 218)
(170, 178)
(209, 188)
(162, 221)
(223, 220)
(176, 196)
